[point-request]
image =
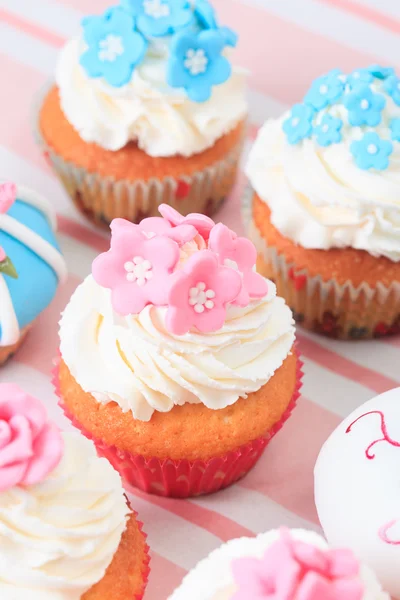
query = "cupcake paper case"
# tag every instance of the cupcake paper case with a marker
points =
(31, 265)
(179, 367)
(146, 109)
(283, 565)
(54, 490)
(325, 209)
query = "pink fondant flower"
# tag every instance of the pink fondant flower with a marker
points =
(30, 446)
(239, 253)
(3, 254)
(136, 269)
(8, 193)
(199, 294)
(182, 234)
(294, 570)
(202, 223)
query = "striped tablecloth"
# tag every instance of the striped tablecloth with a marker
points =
(284, 44)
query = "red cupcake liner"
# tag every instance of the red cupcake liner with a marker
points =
(185, 478)
(146, 560)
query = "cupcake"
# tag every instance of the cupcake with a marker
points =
(281, 564)
(31, 265)
(66, 530)
(356, 486)
(176, 356)
(146, 109)
(325, 189)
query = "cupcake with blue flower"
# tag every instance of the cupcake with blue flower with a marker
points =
(325, 189)
(147, 108)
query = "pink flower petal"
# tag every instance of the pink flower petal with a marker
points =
(155, 225)
(22, 404)
(11, 475)
(5, 434)
(128, 299)
(108, 269)
(201, 223)
(162, 253)
(227, 284)
(3, 255)
(20, 447)
(170, 214)
(255, 284)
(177, 321)
(211, 320)
(8, 194)
(48, 450)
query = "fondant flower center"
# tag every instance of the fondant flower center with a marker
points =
(201, 298)
(110, 48)
(156, 9)
(372, 149)
(364, 104)
(323, 89)
(196, 61)
(138, 270)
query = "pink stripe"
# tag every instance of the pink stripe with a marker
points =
(213, 522)
(291, 457)
(31, 28)
(165, 577)
(343, 366)
(82, 234)
(365, 12)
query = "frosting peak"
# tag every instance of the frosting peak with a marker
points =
(329, 168)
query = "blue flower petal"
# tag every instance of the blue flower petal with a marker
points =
(325, 90)
(395, 129)
(230, 36)
(359, 76)
(205, 13)
(158, 18)
(392, 87)
(371, 152)
(328, 131)
(364, 106)
(298, 125)
(381, 72)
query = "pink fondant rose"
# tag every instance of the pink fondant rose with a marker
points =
(199, 294)
(239, 253)
(30, 446)
(136, 269)
(201, 223)
(294, 570)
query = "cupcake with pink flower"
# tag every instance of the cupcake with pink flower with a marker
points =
(177, 358)
(66, 530)
(280, 565)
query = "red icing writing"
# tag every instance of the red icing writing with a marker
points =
(384, 533)
(386, 437)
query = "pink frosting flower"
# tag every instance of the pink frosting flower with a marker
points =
(182, 234)
(136, 269)
(201, 223)
(199, 294)
(30, 446)
(241, 253)
(8, 194)
(294, 570)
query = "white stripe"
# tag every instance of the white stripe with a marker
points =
(27, 50)
(263, 107)
(332, 391)
(335, 24)
(251, 510)
(55, 16)
(37, 244)
(374, 355)
(168, 534)
(8, 318)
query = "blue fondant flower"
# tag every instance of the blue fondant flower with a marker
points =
(371, 152)
(360, 76)
(230, 36)
(156, 18)
(299, 124)
(365, 107)
(114, 47)
(381, 72)
(328, 131)
(196, 63)
(395, 129)
(392, 87)
(326, 90)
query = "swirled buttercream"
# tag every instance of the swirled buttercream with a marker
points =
(57, 538)
(162, 120)
(136, 362)
(318, 195)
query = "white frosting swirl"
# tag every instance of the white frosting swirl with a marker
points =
(137, 363)
(212, 578)
(319, 197)
(162, 120)
(58, 538)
